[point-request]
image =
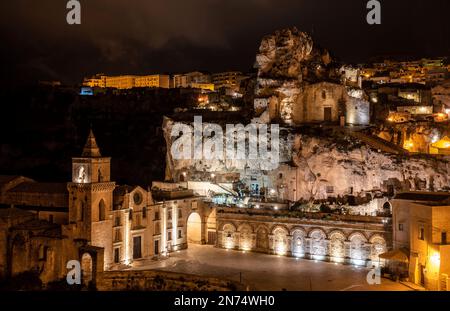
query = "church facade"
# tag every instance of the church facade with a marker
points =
(91, 219)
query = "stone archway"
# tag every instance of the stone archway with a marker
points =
(280, 241)
(337, 246)
(245, 237)
(357, 248)
(298, 243)
(194, 228)
(228, 236)
(377, 247)
(318, 249)
(262, 239)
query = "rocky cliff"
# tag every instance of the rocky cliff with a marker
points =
(291, 73)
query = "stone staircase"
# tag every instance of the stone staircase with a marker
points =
(378, 143)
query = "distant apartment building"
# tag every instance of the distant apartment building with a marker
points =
(180, 81)
(99, 80)
(120, 82)
(227, 79)
(203, 86)
(162, 81)
(195, 79)
(433, 63)
(127, 81)
(422, 71)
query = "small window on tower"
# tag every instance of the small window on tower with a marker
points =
(43, 252)
(421, 233)
(101, 210)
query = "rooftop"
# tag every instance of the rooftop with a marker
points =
(422, 196)
(40, 187)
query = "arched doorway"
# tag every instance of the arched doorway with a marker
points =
(86, 269)
(262, 239)
(194, 229)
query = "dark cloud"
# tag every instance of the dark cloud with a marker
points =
(137, 36)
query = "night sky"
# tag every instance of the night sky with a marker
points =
(150, 36)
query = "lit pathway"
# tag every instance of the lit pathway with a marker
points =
(269, 272)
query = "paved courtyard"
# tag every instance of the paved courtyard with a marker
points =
(269, 272)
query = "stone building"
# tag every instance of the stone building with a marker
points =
(421, 222)
(354, 240)
(91, 219)
(298, 83)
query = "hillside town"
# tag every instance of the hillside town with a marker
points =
(362, 177)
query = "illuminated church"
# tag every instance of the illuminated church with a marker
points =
(91, 219)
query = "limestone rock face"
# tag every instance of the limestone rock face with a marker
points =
(281, 67)
(298, 83)
(324, 167)
(282, 53)
(319, 166)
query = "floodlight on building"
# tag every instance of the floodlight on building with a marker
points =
(257, 206)
(318, 257)
(409, 144)
(434, 139)
(435, 259)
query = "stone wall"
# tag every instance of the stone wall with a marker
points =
(161, 280)
(343, 239)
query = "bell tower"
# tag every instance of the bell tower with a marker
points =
(91, 198)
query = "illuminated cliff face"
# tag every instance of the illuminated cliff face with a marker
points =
(293, 84)
(316, 166)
